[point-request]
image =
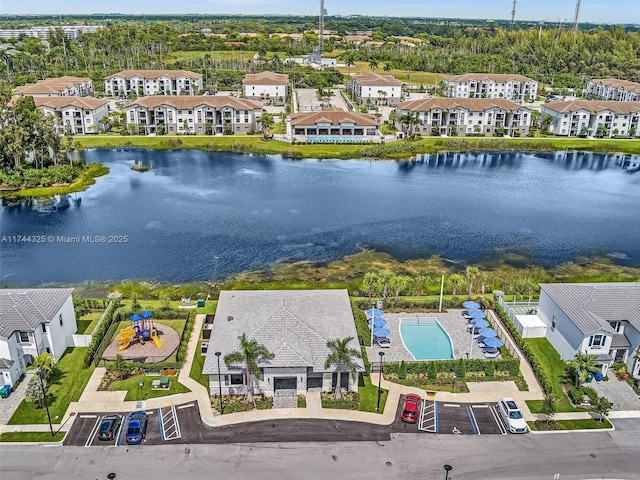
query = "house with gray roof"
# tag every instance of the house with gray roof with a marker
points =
(33, 321)
(295, 326)
(601, 319)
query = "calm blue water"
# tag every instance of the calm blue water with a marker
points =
(252, 211)
(425, 338)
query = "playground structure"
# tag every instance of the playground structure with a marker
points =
(141, 330)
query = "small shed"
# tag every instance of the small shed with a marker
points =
(531, 326)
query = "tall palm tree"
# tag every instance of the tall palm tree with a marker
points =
(369, 283)
(342, 357)
(456, 280)
(373, 63)
(583, 363)
(471, 272)
(398, 283)
(349, 61)
(383, 284)
(250, 353)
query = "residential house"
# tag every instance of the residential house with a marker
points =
(376, 89)
(153, 82)
(601, 319)
(268, 87)
(463, 116)
(333, 124)
(613, 89)
(57, 87)
(208, 114)
(33, 321)
(593, 118)
(77, 114)
(295, 326)
(517, 88)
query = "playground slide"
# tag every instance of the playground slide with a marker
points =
(126, 341)
(126, 335)
(154, 337)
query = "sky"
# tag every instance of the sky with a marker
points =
(595, 11)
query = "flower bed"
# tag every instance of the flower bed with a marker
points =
(235, 403)
(351, 401)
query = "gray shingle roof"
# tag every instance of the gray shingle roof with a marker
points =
(620, 341)
(25, 309)
(295, 325)
(6, 363)
(591, 306)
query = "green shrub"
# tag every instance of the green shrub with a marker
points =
(432, 371)
(461, 370)
(402, 371)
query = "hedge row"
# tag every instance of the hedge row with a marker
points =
(99, 332)
(159, 314)
(362, 327)
(460, 367)
(543, 378)
(184, 339)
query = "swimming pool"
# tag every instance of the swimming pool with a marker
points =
(425, 339)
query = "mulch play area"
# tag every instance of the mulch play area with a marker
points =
(146, 352)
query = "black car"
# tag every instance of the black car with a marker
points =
(109, 427)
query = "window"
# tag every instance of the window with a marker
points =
(553, 323)
(597, 340)
(60, 318)
(236, 379)
(44, 328)
(24, 337)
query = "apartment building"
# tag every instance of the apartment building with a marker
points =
(613, 89)
(590, 118)
(516, 88)
(463, 116)
(333, 125)
(153, 82)
(70, 31)
(57, 87)
(78, 114)
(268, 87)
(376, 89)
(202, 114)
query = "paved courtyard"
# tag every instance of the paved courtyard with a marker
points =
(452, 321)
(618, 392)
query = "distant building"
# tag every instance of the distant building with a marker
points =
(594, 118)
(57, 87)
(464, 116)
(202, 114)
(153, 82)
(70, 31)
(376, 89)
(333, 124)
(517, 88)
(77, 114)
(268, 87)
(33, 321)
(613, 89)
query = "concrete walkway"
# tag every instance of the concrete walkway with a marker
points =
(10, 405)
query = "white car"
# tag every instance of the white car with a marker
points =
(512, 415)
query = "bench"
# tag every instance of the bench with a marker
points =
(162, 384)
(152, 372)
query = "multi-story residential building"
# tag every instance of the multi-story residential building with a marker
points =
(613, 89)
(268, 87)
(70, 31)
(33, 321)
(57, 87)
(517, 88)
(208, 114)
(333, 125)
(76, 114)
(153, 82)
(376, 89)
(590, 118)
(463, 116)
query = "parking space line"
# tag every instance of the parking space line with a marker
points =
(92, 434)
(87, 416)
(186, 406)
(451, 404)
(428, 417)
(472, 419)
(498, 420)
(169, 424)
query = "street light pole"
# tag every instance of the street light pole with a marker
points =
(379, 380)
(441, 292)
(447, 468)
(217, 354)
(44, 397)
(141, 385)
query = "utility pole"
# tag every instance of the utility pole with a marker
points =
(575, 18)
(513, 14)
(321, 32)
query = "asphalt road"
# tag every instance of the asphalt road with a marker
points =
(611, 455)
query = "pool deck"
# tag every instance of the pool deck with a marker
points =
(452, 321)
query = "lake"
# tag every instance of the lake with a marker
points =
(171, 223)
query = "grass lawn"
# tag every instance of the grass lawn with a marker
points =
(196, 369)
(416, 78)
(554, 368)
(31, 437)
(151, 305)
(586, 424)
(88, 322)
(369, 395)
(132, 386)
(65, 388)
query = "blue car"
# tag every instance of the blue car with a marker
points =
(137, 428)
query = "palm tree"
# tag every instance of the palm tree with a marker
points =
(398, 283)
(373, 63)
(383, 284)
(349, 62)
(369, 283)
(342, 357)
(471, 272)
(456, 280)
(266, 122)
(250, 353)
(583, 363)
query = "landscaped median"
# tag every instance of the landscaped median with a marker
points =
(569, 425)
(39, 437)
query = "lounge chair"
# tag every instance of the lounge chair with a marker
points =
(491, 355)
(490, 350)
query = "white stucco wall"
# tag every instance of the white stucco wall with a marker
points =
(565, 338)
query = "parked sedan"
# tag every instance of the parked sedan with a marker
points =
(512, 416)
(410, 408)
(137, 428)
(109, 427)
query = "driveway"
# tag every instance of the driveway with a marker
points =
(8, 406)
(618, 392)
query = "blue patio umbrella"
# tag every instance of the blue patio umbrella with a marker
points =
(493, 342)
(378, 322)
(470, 304)
(381, 332)
(135, 317)
(146, 314)
(476, 314)
(479, 323)
(488, 332)
(373, 312)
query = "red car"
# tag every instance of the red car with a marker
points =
(410, 408)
